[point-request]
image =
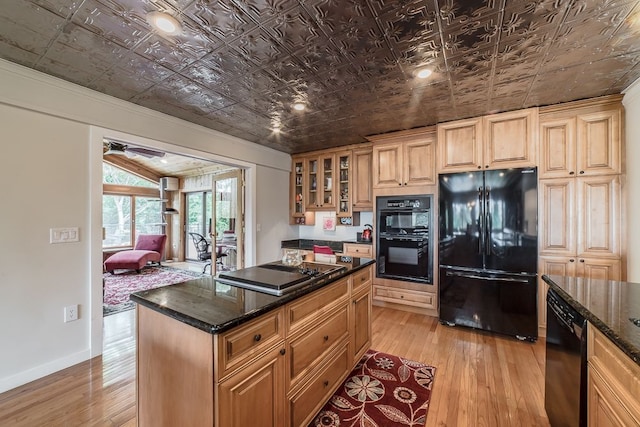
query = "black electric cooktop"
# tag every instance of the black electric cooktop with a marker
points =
(276, 278)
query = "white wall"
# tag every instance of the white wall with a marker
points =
(45, 174)
(51, 170)
(341, 232)
(631, 103)
(270, 201)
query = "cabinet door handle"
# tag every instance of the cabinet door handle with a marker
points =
(257, 337)
(581, 260)
(325, 383)
(572, 173)
(326, 337)
(283, 351)
(571, 260)
(581, 172)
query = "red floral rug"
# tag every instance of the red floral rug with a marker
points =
(118, 287)
(382, 390)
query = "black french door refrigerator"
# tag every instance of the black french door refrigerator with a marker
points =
(488, 246)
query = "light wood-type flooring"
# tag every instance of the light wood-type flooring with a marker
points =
(481, 379)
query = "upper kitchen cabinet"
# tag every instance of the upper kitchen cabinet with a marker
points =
(581, 139)
(404, 159)
(505, 140)
(362, 160)
(320, 182)
(298, 191)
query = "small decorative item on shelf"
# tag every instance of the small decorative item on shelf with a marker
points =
(347, 220)
(292, 257)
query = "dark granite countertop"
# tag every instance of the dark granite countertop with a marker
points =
(217, 307)
(307, 244)
(610, 306)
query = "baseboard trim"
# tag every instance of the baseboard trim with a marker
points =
(41, 371)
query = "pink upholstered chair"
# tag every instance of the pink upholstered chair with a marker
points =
(149, 248)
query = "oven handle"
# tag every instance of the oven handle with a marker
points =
(487, 279)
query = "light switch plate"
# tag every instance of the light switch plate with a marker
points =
(64, 235)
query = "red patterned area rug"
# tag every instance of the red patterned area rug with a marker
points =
(118, 287)
(382, 390)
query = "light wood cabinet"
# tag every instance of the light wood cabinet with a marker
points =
(613, 383)
(580, 217)
(357, 250)
(290, 360)
(460, 145)
(404, 159)
(580, 203)
(405, 297)
(362, 160)
(321, 182)
(504, 140)
(338, 180)
(261, 381)
(593, 268)
(360, 313)
(581, 141)
(298, 192)
(326, 338)
(580, 231)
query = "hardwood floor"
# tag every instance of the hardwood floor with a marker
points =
(481, 379)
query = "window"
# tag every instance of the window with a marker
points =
(127, 212)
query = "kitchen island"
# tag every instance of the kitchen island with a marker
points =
(612, 311)
(212, 354)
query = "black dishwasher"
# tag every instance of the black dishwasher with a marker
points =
(565, 391)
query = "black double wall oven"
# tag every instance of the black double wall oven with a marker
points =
(404, 238)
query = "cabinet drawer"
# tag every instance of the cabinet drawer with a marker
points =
(353, 249)
(622, 373)
(310, 347)
(246, 342)
(306, 403)
(361, 279)
(404, 296)
(315, 304)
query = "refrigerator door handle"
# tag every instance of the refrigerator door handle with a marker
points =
(485, 278)
(487, 222)
(480, 223)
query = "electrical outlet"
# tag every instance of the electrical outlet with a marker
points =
(71, 313)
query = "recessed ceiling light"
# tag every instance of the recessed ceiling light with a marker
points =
(164, 22)
(423, 73)
(299, 106)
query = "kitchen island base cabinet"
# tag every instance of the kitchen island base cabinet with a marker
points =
(255, 395)
(173, 359)
(276, 370)
(613, 383)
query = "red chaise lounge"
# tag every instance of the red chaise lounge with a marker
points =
(149, 248)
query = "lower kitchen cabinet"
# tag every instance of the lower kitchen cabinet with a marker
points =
(572, 266)
(276, 370)
(405, 296)
(360, 250)
(613, 384)
(255, 395)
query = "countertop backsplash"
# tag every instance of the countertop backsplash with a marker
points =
(342, 232)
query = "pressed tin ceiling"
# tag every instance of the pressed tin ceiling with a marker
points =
(238, 66)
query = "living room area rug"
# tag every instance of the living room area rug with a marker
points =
(118, 287)
(382, 390)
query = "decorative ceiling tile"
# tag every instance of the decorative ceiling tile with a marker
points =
(238, 65)
(28, 28)
(221, 18)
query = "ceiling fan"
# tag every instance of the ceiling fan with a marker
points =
(119, 148)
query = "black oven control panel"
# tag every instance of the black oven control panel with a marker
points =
(419, 203)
